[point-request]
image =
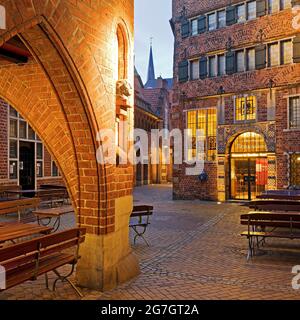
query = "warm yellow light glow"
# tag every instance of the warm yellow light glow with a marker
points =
(249, 155)
(298, 159)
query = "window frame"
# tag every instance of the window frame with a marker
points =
(206, 160)
(290, 128)
(255, 107)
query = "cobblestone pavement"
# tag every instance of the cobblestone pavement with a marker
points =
(196, 252)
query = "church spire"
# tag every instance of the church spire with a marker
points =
(151, 72)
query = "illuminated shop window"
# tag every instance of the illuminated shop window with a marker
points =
(295, 170)
(205, 120)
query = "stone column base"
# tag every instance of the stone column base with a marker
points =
(107, 260)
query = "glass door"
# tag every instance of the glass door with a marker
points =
(249, 177)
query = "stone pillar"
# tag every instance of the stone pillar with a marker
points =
(107, 260)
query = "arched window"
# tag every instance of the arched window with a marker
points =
(249, 142)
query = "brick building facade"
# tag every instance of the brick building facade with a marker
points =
(15, 134)
(236, 74)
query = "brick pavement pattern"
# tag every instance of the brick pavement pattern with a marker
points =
(196, 252)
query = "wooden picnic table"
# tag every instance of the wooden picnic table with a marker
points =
(45, 216)
(10, 231)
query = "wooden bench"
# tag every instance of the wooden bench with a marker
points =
(18, 206)
(29, 260)
(258, 222)
(140, 220)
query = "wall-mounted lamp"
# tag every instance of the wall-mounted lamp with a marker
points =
(221, 91)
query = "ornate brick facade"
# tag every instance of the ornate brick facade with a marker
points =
(271, 86)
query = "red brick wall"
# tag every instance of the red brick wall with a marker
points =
(70, 93)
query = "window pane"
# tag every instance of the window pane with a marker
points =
(241, 13)
(273, 55)
(286, 52)
(39, 169)
(273, 6)
(221, 65)
(13, 128)
(211, 134)
(245, 108)
(13, 149)
(39, 151)
(212, 21)
(54, 169)
(294, 112)
(251, 10)
(13, 112)
(240, 61)
(194, 27)
(250, 59)
(221, 19)
(31, 133)
(212, 66)
(195, 69)
(13, 170)
(23, 129)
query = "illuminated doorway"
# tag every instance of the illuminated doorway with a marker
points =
(248, 166)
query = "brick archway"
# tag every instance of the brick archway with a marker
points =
(60, 93)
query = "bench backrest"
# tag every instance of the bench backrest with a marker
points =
(52, 194)
(13, 206)
(269, 219)
(142, 210)
(9, 187)
(275, 205)
(18, 255)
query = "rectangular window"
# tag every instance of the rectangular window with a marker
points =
(250, 59)
(13, 170)
(241, 13)
(23, 129)
(285, 4)
(13, 149)
(39, 169)
(221, 65)
(194, 65)
(194, 24)
(221, 19)
(31, 133)
(294, 113)
(286, 52)
(212, 66)
(13, 112)
(251, 10)
(212, 21)
(55, 172)
(295, 170)
(245, 108)
(39, 151)
(206, 121)
(13, 128)
(240, 61)
(273, 55)
(273, 6)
